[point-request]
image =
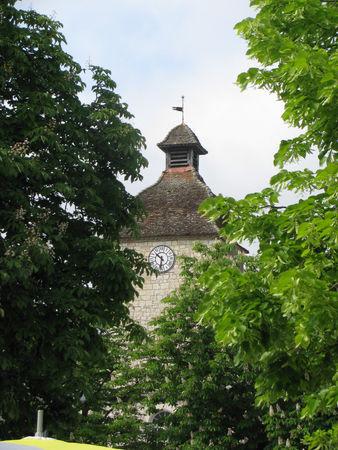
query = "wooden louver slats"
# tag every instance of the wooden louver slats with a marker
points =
(179, 158)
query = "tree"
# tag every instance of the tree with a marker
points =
(285, 426)
(212, 401)
(110, 414)
(64, 277)
(190, 386)
(280, 314)
(179, 378)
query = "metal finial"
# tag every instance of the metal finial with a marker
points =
(180, 108)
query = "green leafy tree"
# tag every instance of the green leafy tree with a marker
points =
(280, 314)
(110, 413)
(212, 401)
(63, 276)
(285, 426)
(190, 386)
(178, 388)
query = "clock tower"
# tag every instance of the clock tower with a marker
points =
(172, 224)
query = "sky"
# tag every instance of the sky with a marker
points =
(159, 50)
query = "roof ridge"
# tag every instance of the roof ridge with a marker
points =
(181, 135)
(201, 180)
(152, 185)
(210, 193)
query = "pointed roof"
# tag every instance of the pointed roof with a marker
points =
(171, 206)
(182, 136)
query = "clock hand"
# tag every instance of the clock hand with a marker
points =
(161, 258)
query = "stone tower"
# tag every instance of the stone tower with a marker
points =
(172, 224)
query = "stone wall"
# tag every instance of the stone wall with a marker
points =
(148, 304)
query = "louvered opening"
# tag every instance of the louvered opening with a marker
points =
(195, 160)
(179, 158)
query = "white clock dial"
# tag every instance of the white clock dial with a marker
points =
(161, 258)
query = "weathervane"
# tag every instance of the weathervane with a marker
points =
(180, 108)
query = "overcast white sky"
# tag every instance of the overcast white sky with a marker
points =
(159, 50)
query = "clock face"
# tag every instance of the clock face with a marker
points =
(161, 258)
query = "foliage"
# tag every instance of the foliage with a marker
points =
(110, 413)
(181, 370)
(284, 425)
(280, 314)
(211, 401)
(325, 440)
(63, 275)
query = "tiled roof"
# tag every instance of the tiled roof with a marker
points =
(180, 136)
(171, 205)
